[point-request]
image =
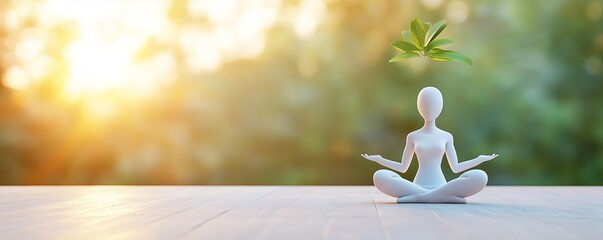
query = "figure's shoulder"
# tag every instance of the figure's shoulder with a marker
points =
(446, 134)
(413, 134)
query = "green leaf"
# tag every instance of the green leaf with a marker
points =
(445, 55)
(436, 43)
(433, 29)
(425, 25)
(439, 31)
(404, 46)
(418, 33)
(403, 56)
(406, 36)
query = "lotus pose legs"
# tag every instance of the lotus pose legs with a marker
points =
(392, 184)
(430, 144)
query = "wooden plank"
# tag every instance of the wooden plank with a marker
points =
(293, 212)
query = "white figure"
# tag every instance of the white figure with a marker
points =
(430, 143)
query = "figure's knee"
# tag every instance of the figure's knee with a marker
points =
(391, 183)
(477, 176)
(469, 183)
(383, 175)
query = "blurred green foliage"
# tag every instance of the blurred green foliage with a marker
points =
(307, 106)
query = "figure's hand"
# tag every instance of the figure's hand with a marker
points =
(373, 158)
(485, 158)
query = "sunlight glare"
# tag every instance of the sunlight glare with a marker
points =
(310, 14)
(95, 67)
(97, 57)
(16, 78)
(101, 42)
(101, 55)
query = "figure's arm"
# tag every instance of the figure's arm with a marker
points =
(460, 167)
(402, 166)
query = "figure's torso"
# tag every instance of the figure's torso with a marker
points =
(429, 147)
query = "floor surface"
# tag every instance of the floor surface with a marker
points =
(293, 212)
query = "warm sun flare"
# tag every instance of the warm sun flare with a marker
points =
(106, 51)
(95, 68)
(97, 58)
(101, 56)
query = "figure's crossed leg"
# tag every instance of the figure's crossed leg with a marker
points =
(469, 183)
(455, 191)
(392, 184)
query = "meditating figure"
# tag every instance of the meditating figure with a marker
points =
(430, 143)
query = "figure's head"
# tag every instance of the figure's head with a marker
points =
(430, 103)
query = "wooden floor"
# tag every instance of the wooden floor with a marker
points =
(303, 212)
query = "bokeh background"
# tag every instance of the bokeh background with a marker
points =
(292, 91)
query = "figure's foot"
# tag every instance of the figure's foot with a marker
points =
(431, 198)
(414, 198)
(448, 199)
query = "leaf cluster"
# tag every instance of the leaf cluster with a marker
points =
(420, 41)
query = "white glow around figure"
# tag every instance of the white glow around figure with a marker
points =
(430, 143)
